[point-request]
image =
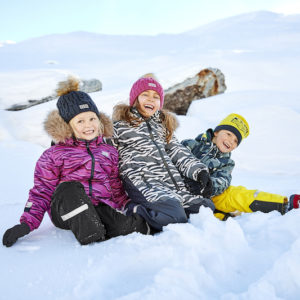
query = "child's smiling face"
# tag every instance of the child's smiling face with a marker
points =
(148, 103)
(225, 140)
(86, 125)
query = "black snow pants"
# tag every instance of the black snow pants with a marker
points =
(73, 210)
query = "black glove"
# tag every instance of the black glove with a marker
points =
(203, 178)
(11, 235)
(194, 187)
(208, 189)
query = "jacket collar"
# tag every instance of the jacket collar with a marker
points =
(80, 142)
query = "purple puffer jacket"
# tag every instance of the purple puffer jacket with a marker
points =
(92, 162)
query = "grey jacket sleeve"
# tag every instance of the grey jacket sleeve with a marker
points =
(184, 160)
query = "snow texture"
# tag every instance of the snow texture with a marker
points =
(253, 256)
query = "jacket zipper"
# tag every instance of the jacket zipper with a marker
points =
(211, 149)
(162, 156)
(92, 170)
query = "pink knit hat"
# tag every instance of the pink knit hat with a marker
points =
(144, 84)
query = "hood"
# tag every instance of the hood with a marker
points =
(60, 131)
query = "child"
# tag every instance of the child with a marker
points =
(214, 148)
(76, 180)
(150, 159)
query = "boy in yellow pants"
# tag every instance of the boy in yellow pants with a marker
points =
(214, 149)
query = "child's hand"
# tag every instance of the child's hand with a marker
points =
(208, 189)
(203, 178)
(11, 235)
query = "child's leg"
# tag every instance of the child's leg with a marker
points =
(118, 224)
(238, 198)
(159, 209)
(160, 213)
(72, 209)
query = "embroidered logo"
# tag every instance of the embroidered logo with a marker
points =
(152, 84)
(106, 154)
(240, 125)
(83, 106)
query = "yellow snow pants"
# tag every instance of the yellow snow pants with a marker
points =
(238, 199)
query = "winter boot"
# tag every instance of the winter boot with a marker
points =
(294, 201)
(117, 223)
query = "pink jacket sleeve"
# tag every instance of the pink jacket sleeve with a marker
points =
(46, 178)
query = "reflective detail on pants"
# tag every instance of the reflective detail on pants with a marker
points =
(74, 212)
(148, 229)
(256, 194)
(235, 213)
(135, 209)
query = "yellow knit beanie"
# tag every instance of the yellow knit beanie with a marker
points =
(236, 124)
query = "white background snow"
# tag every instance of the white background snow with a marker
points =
(254, 256)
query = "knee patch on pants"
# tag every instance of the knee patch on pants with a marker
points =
(72, 209)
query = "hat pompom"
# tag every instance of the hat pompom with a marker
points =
(149, 75)
(70, 85)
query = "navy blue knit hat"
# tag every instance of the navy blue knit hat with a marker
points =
(73, 102)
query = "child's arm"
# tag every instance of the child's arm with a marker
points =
(220, 175)
(184, 160)
(190, 144)
(221, 178)
(46, 178)
(38, 202)
(119, 196)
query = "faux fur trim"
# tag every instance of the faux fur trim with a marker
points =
(171, 120)
(168, 118)
(107, 124)
(60, 131)
(119, 112)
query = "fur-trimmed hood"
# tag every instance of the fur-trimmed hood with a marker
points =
(60, 131)
(124, 112)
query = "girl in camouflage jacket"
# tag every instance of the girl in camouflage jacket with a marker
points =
(214, 149)
(151, 159)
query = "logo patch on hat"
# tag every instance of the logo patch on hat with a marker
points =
(240, 125)
(152, 84)
(83, 106)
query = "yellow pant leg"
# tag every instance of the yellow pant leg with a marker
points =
(238, 198)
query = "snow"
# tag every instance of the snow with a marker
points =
(253, 256)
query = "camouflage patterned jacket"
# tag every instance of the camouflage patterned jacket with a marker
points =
(220, 164)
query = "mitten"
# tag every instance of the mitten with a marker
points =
(11, 235)
(203, 178)
(194, 187)
(208, 189)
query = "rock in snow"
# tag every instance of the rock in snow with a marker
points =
(206, 83)
(87, 86)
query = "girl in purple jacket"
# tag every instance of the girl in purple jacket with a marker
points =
(77, 179)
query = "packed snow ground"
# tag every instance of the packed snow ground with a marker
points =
(254, 256)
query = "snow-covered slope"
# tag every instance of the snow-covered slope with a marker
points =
(262, 44)
(254, 256)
